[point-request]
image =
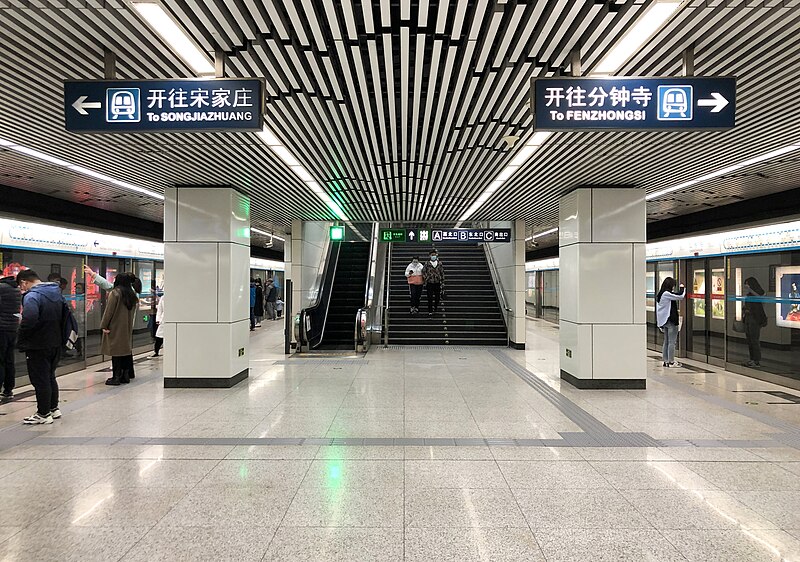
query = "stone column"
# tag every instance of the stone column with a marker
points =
(206, 267)
(602, 234)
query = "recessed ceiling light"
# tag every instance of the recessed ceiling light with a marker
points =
(175, 37)
(645, 27)
(725, 170)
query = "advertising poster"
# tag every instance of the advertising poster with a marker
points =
(650, 303)
(788, 294)
(718, 294)
(698, 294)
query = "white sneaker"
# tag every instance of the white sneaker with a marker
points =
(55, 413)
(36, 419)
(676, 364)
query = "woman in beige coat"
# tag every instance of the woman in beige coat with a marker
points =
(117, 325)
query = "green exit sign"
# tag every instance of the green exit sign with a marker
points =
(393, 235)
(337, 233)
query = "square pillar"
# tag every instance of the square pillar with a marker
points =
(602, 235)
(207, 270)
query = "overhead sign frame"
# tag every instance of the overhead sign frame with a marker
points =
(698, 103)
(164, 105)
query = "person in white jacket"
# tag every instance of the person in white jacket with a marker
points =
(160, 326)
(415, 283)
(667, 318)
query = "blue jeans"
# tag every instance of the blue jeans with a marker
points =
(670, 339)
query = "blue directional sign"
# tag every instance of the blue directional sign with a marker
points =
(634, 103)
(146, 106)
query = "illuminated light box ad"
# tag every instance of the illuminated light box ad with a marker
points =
(787, 290)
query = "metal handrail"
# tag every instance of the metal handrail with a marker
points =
(498, 289)
(388, 274)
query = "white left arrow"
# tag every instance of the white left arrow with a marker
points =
(717, 102)
(81, 105)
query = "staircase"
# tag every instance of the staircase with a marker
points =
(347, 297)
(470, 313)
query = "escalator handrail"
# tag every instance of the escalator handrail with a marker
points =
(323, 300)
(498, 288)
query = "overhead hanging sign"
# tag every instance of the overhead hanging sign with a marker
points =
(634, 103)
(148, 106)
(433, 235)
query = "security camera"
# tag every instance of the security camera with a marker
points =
(511, 140)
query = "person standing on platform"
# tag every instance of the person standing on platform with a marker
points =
(10, 303)
(159, 337)
(433, 275)
(117, 326)
(754, 319)
(415, 283)
(667, 318)
(271, 298)
(258, 309)
(252, 304)
(41, 337)
(136, 285)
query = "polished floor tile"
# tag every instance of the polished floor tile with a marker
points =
(424, 455)
(209, 544)
(579, 509)
(464, 507)
(472, 545)
(607, 545)
(311, 544)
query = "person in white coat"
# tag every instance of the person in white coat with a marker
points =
(415, 283)
(668, 320)
(160, 326)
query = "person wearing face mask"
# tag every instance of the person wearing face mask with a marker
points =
(754, 319)
(415, 283)
(433, 276)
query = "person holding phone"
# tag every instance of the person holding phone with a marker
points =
(667, 318)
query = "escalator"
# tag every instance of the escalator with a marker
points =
(470, 314)
(330, 323)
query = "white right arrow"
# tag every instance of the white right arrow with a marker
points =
(81, 105)
(718, 102)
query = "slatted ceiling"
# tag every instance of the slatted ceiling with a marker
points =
(395, 125)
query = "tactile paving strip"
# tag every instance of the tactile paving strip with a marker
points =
(337, 362)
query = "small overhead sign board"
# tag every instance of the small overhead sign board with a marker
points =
(148, 106)
(450, 235)
(336, 233)
(393, 235)
(634, 103)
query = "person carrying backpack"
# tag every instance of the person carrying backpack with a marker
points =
(41, 337)
(10, 302)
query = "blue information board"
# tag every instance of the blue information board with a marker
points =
(634, 103)
(146, 106)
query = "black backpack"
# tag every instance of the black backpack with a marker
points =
(69, 327)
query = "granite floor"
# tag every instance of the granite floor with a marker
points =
(405, 454)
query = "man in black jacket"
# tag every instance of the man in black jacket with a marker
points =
(41, 337)
(9, 323)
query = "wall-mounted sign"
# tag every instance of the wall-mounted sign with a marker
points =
(432, 235)
(634, 103)
(336, 233)
(393, 235)
(146, 106)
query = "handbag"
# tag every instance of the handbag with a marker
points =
(415, 280)
(738, 326)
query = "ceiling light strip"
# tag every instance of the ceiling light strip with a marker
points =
(78, 169)
(637, 36)
(534, 142)
(270, 234)
(180, 43)
(300, 171)
(725, 170)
